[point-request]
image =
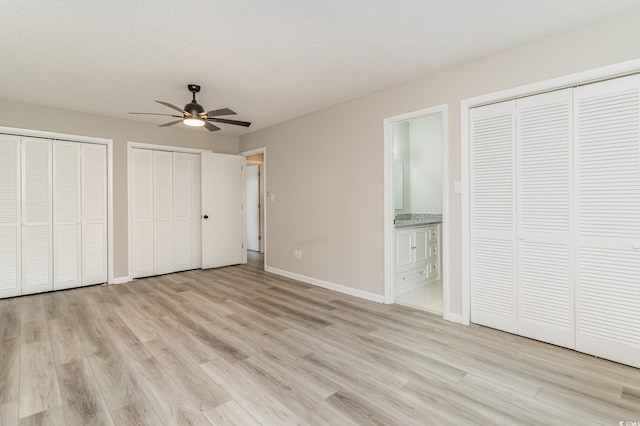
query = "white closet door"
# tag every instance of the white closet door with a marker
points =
(36, 216)
(142, 175)
(66, 215)
(607, 151)
(545, 162)
(493, 210)
(94, 214)
(164, 260)
(196, 213)
(10, 220)
(182, 210)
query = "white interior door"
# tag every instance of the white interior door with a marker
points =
(67, 246)
(493, 212)
(607, 151)
(164, 261)
(252, 204)
(142, 200)
(10, 220)
(182, 210)
(94, 214)
(545, 192)
(222, 211)
(36, 216)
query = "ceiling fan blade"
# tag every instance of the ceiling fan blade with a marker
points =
(173, 107)
(210, 127)
(171, 123)
(154, 113)
(222, 111)
(235, 122)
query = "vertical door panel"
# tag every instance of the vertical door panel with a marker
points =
(421, 244)
(10, 220)
(545, 175)
(36, 216)
(94, 214)
(222, 198)
(196, 212)
(143, 245)
(182, 210)
(404, 248)
(67, 267)
(607, 151)
(493, 261)
(163, 212)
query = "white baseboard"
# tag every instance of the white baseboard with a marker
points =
(378, 298)
(120, 280)
(453, 317)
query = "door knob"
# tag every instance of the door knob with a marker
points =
(206, 216)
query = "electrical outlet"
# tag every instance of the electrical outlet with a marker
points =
(300, 254)
(295, 253)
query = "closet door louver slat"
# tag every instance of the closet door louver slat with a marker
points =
(544, 140)
(493, 268)
(182, 210)
(36, 216)
(10, 220)
(143, 245)
(66, 215)
(164, 261)
(94, 214)
(607, 117)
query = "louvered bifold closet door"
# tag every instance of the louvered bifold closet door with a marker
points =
(544, 190)
(10, 220)
(142, 212)
(607, 163)
(67, 247)
(94, 214)
(493, 262)
(36, 216)
(196, 213)
(182, 210)
(164, 260)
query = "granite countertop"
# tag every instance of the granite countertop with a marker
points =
(407, 220)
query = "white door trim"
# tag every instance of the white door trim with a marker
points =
(389, 212)
(263, 189)
(85, 139)
(141, 145)
(580, 78)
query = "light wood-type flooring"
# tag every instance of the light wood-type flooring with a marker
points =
(240, 346)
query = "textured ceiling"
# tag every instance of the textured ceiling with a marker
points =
(268, 61)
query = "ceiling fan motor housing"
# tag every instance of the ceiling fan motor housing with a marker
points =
(194, 108)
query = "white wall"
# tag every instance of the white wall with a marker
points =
(326, 168)
(425, 140)
(13, 114)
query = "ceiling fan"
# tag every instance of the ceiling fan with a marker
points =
(194, 114)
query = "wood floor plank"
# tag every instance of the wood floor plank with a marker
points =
(39, 389)
(9, 370)
(9, 413)
(33, 322)
(136, 414)
(9, 319)
(65, 341)
(81, 397)
(52, 417)
(230, 414)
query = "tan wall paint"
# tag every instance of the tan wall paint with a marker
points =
(332, 206)
(120, 131)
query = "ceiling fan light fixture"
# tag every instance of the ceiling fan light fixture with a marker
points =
(194, 122)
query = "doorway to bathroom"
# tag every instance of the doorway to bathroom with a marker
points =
(416, 194)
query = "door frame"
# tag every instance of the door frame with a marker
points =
(571, 80)
(82, 139)
(389, 210)
(263, 193)
(153, 147)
